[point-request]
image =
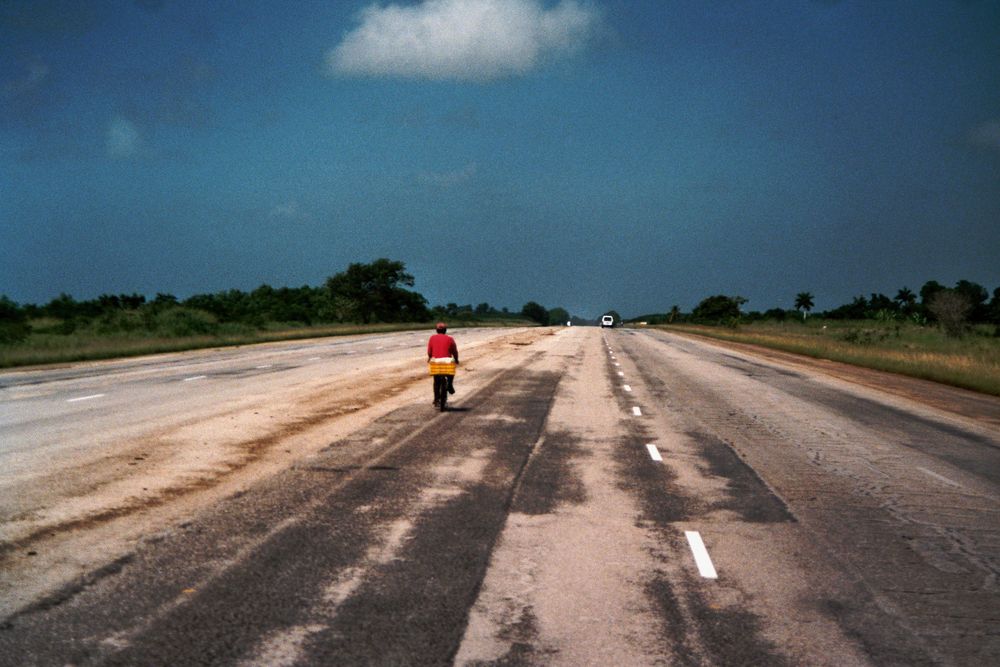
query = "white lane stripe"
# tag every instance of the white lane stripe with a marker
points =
(939, 477)
(315, 358)
(617, 364)
(654, 453)
(636, 411)
(84, 398)
(626, 387)
(621, 374)
(701, 557)
(265, 366)
(196, 377)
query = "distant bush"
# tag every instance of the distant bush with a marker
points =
(183, 321)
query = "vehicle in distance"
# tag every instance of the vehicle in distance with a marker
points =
(607, 321)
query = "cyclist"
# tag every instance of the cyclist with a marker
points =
(441, 349)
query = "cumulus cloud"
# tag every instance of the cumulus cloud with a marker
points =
(123, 139)
(288, 211)
(987, 134)
(448, 179)
(465, 40)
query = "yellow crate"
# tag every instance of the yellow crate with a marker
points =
(442, 368)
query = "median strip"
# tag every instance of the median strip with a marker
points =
(701, 557)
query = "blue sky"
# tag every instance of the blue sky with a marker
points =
(590, 154)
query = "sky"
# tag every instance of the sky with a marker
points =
(590, 154)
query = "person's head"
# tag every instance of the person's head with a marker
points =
(441, 327)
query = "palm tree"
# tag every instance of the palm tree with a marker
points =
(905, 298)
(804, 302)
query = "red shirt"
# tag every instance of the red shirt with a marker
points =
(442, 345)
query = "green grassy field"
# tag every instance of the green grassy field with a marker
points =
(971, 362)
(53, 348)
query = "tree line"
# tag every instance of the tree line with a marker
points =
(953, 308)
(363, 293)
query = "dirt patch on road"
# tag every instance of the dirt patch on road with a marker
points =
(60, 525)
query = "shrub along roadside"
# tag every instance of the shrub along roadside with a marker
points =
(972, 362)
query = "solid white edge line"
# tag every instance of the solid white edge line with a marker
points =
(701, 557)
(84, 398)
(939, 477)
(196, 377)
(654, 453)
(636, 411)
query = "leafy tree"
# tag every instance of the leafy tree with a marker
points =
(950, 307)
(856, 310)
(374, 292)
(977, 296)
(929, 289)
(536, 313)
(558, 316)
(674, 314)
(804, 303)
(14, 327)
(718, 309)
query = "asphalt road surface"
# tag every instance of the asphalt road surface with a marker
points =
(593, 497)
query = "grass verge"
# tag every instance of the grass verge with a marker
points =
(47, 348)
(971, 362)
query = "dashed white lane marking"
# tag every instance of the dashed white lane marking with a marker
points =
(636, 411)
(380, 347)
(627, 387)
(621, 374)
(654, 453)
(939, 477)
(196, 377)
(265, 366)
(315, 358)
(617, 364)
(84, 398)
(701, 557)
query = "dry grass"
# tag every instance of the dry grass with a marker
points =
(971, 362)
(49, 348)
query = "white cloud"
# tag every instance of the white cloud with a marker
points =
(123, 138)
(449, 178)
(468, 40)
(289, 211)
(987, 134)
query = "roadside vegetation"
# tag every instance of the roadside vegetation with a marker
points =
(364, 298)
(946, 334)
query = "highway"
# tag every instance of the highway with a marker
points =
(593, 497)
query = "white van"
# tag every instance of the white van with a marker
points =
(608, 321)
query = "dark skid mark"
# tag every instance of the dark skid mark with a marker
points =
(748, 496)
(71, 590)
(550, 478)
(731, 636)
(522, 635)
(661, 499)
(674, 625)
